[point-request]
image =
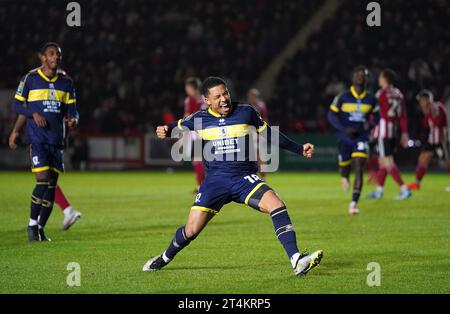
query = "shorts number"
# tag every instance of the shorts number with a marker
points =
(253, 178)
(361, 146)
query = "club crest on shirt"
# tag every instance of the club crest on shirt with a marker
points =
(52, 95)
(223, 132)
(20, 88)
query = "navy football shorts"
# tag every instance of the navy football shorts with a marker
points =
(219, 189)
(349, 149)
(45, 157)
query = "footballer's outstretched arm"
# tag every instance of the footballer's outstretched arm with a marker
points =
(286, 143)
(163, 131)
(182, 124)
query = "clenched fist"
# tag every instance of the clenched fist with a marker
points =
(161, 131)
(308, 150)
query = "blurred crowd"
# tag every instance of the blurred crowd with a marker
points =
(129, 59)
(413, 40)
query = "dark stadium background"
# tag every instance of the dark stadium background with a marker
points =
(129, 60)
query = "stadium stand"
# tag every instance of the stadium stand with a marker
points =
(129, 59)
(417, 50)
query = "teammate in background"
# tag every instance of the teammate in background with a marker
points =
(437, 143)
(193, 103)
(227, 127)
(47, 98)
(253, 98)
(349, 114)
(71, 215)
(392, 115)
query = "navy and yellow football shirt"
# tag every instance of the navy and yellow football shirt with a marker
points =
(353, 110)
(228, 142)
(52, 98)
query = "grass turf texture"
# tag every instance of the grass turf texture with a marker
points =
(129, 217)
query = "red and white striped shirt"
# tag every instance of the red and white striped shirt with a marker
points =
(193, 104)
(392, 113)
(436, 123)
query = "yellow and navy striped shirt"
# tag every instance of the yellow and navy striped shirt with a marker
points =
(353, 110)
(228, 145)
(53, 99)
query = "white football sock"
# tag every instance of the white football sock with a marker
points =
(404, 188)
(165, 258)
(68, 211)
(379, 189)
(352, 204)
(294, 259)
(32, 222)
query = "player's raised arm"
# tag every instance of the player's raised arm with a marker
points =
(182, 124)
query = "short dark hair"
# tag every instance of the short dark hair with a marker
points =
(44, 47)
(390, 76)
(194, 82)
(211, 82)
(425, 93)
(361, 68)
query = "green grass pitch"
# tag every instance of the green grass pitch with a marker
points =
(129, 217)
